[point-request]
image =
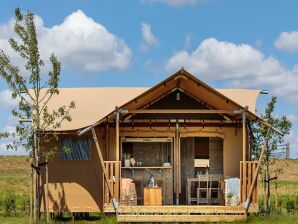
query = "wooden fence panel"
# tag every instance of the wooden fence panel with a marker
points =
(113, 172)
(247, 178)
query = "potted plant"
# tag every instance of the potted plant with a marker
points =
(126, 157)
(229, 197)
(235, 201)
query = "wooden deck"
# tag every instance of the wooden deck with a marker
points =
(182, 213)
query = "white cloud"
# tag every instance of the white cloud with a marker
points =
(6, 100)
(187, 41)
(79, 42)
(174, 3)
(287, 41)
(5, 152)
(292, 138)
(149, 38)
(241, 65)
(10, 128)
(293, 118)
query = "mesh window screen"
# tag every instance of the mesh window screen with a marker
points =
(75, 149)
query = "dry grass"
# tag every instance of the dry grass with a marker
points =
(14, 175)
(14, 165)
(289, 168)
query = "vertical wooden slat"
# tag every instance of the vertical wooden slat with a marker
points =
(249, 169)
(116, 185)
(112, 178)
(119, 179)
(106, 185)
(241, 181)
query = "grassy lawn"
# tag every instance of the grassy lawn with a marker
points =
(15, 182)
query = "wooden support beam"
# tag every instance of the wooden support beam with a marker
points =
(117, 134)
(179, 111)
(254, 180)
(177, 164)
(244, 153)
(211, 121)
(101, 160)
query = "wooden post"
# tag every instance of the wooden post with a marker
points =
(244, 152)
(254, 180)
(47, 192)
(177, 164)
(117, 134)
(117, 151)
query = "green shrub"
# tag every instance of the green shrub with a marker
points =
(9, 204)
(290, 206)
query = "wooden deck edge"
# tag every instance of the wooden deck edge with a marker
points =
(180, 218)
(178, 210)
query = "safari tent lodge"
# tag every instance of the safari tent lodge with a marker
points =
(177, 152)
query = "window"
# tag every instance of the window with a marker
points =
(75, 149)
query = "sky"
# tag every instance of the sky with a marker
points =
(137, 43)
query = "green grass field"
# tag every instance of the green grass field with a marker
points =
(15, 182)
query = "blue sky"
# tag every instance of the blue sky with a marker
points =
(251, 44)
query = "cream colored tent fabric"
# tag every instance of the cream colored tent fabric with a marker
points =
(93, 104)
(244, 97)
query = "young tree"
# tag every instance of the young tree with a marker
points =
(274, 139)
(33, 91)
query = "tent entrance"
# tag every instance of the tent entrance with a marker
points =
(151, 157)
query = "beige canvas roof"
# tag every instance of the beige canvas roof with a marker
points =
(93, 104)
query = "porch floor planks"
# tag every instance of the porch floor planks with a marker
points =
(180, 218)
(183, 213)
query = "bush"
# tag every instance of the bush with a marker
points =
(290, 206)
(9, 204)
(286, 204)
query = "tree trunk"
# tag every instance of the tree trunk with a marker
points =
(31, 195)
(276, 202)
(268, 187)
(34, 196)
(268, 192)
(265, 191)
(47, 192)
(35, 163)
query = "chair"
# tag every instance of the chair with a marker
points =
(203, 190)
(214, 189)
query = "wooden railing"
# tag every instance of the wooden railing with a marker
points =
(113, 171)
(246, 178)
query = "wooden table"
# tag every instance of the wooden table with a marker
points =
(190, 180)
(152, 196)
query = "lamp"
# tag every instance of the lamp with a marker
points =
(178, 98)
